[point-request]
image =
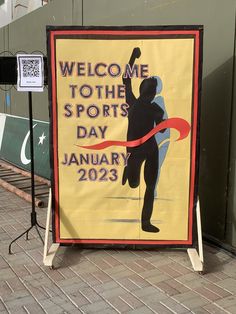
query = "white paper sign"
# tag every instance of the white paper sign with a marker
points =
(30, 74)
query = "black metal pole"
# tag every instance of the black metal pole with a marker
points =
(33, 212)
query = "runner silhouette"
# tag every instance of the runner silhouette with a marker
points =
(143, 115)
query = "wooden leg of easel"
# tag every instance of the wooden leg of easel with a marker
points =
(196, 257)
(49, 254)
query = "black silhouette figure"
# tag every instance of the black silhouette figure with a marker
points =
(143, 115)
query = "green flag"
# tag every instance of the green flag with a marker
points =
(15, 146)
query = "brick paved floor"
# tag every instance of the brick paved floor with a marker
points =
(106, 281)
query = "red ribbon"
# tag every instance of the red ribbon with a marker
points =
(179, 124)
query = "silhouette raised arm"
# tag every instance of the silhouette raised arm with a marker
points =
(130, 98)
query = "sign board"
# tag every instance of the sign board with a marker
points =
(30, 76)
(124, 133)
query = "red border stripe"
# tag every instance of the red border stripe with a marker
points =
(194, 134)
(55, 140)
(122, 32)
(103, 241)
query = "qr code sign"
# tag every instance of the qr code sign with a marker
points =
(30, 68)
(30, 73)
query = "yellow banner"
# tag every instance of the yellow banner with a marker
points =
(116, 91)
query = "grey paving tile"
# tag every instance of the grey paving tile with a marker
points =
(101, 276)
(95, 307)
(231, 309)
(119, 304)
(214, 309)
(20, 310)
(90, 294)
(127, 284)
(113, 292)
(72, 284)
(147, 274)
(107, 311)
(227, 302)
(148, 296)
(175, 306)
(79, 299)
(2, 305)
(34, 308)
(157, 307)
(107, 286)
(111, 261)
(5, 290)
(158, 278)
(163, 286)
(139, 281)
(17, 295)
(141, 310)
(207, 294)
(228, 284)
(195, 302)
(192, 280)
(146, 291)
(122, 273)
(185, 296)
(200, 310)
(6, 274)
(131, 300)
(177, 285)
(218, 290)
(18, 302)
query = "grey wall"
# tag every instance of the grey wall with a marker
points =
(231, 195)
(28, 34)
(218, 18)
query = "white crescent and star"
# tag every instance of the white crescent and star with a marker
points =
(41, 139)
(23, 157)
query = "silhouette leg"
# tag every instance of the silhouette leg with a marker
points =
(150, 177)
(125, 175)
(132, 170)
